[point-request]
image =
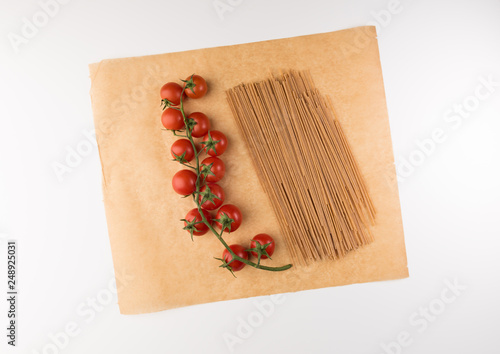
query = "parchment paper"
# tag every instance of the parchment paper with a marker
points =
(164, 269)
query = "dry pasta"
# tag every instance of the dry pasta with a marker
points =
(305, 165)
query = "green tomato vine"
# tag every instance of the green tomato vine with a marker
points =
(201, 173)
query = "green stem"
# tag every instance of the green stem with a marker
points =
(180, 135)
(197, 201)
(185, 164)
(201, 150)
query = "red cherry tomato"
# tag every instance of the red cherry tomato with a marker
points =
(218, 169)
(218, 191)
(182, 146)
(238, 250)
(194, 214)
(221, 146)
(184, 182)
(172, 119)
(233, 212)
(171, 91)
(199, 90)
(263, 239)
(202, 124)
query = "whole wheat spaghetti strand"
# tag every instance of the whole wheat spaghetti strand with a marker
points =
(295, 183)
(305, 166)
(285, 173)
(240, 102)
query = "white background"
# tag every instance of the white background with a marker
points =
(434, 54)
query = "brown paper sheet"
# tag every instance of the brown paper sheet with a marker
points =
(163, 268)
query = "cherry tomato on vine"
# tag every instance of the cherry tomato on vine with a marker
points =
(218, 169)
(263, 239)
(238, 250)
(172, 119)
(199, 90)
(182, 146)
(194, 214)
(218, 191)
(220, 147)
(171, 91)
(184, 182)
(202, 124)
(232, 212)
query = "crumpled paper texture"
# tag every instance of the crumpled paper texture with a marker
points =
(167, 270)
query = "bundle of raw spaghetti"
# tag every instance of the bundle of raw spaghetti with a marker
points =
(305, 165)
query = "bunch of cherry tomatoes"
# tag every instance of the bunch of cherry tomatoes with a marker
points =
(200, 181)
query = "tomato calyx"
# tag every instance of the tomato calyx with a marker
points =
(191, 226)
(226, 265)
(260, 250)
(225, 222)
(190, 123)
(210, 143)
(207, 196)
(166, 104)
(181, 159)
(206, 170)
(190, 85)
